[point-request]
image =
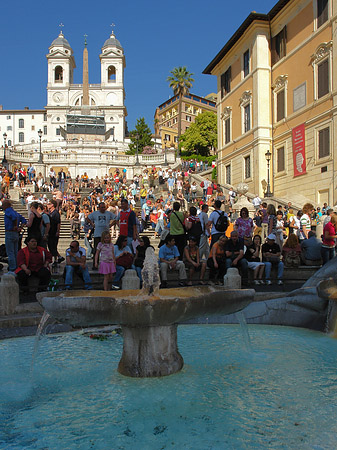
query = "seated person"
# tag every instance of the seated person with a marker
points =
(291, 252)
(192, 260)
(144, 243)
(252, 256)
(169, 260)
(124, 258)
(311, 250)
(217, 261)
(76, 262)
(271, 254)
(33, 261)
(234, 251)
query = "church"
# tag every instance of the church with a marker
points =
(83, 126)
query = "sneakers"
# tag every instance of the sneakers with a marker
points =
(60, 259)
(182, 283)
(115, 288)
(268, 282)
(261, 281)
(280, 282)
(256, 282)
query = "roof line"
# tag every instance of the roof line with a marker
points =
(240, 31)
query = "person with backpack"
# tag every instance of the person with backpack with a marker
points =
(217, 222)
(193, 225)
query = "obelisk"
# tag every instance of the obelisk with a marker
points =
(85, 101)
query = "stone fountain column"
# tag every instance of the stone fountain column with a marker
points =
(150, 351)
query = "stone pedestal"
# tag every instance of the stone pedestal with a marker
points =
(232, 279)
(130, 280)
(150, 351)
(9, 294)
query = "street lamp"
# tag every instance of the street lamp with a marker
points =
(40, 136)
(4, 160)
(137, 156)
(268, 158)
(165, 142)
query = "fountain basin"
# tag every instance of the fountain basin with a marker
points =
(149, 323)
(127, 307)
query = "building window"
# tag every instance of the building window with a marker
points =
(323, 78)
(33, 127)
(58, 74)
(175, 138)
(280, 159)
(8, 117)
(21, 123)
(228, 174)
(111, 74)
(45, 117)
(247, 167)
(45, 129)
(9, 143)
(280, 105)
(32, 117)
(279, 45)
(9, 128)
(322, 12)
(189, 118)
(324, 142)
(226, 82)
(227, 125)
(58, 132)
(247, 118)
(21, 137)
(246, 63)
(167, 137)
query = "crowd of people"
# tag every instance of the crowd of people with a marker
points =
(193, 231)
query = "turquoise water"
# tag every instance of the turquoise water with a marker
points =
(281, 396)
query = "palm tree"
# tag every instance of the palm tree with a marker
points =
(181, 81)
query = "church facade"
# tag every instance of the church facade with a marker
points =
(83, 126)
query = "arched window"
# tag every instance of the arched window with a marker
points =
(9, 143)
(21, 137)
(58, 73)
(21, 123)
(111, 74)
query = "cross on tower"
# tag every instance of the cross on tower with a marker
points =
(61, 26)
(112, 25)
(85, 39)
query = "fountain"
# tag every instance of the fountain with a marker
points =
(149, 320)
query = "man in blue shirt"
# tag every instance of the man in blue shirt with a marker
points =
(13, 223)
(169, 260)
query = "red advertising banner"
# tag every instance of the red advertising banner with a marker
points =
(300, 167)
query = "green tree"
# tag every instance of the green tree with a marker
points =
(181, 82)
(201, 136)
(144, 137)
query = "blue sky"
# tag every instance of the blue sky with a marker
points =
(156, 37)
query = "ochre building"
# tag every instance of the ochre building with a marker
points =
(277, 99)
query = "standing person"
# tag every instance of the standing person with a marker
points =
(87, 230)
(264, 225)
(13, 221)
(107, 265)
(61, 178)
(329, 239)
(52, 177)
(204, 244)
(34, 223)
(244, 224)
(127, 222)
(45, 225)
(306, 221)
(54, 232)
(100, 221)
(177, 230)
(256, 202)
(272, 221)
(31, 172)
(217, 222)
(280, 229)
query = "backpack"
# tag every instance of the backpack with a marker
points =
(222, 222)
(196, 229)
